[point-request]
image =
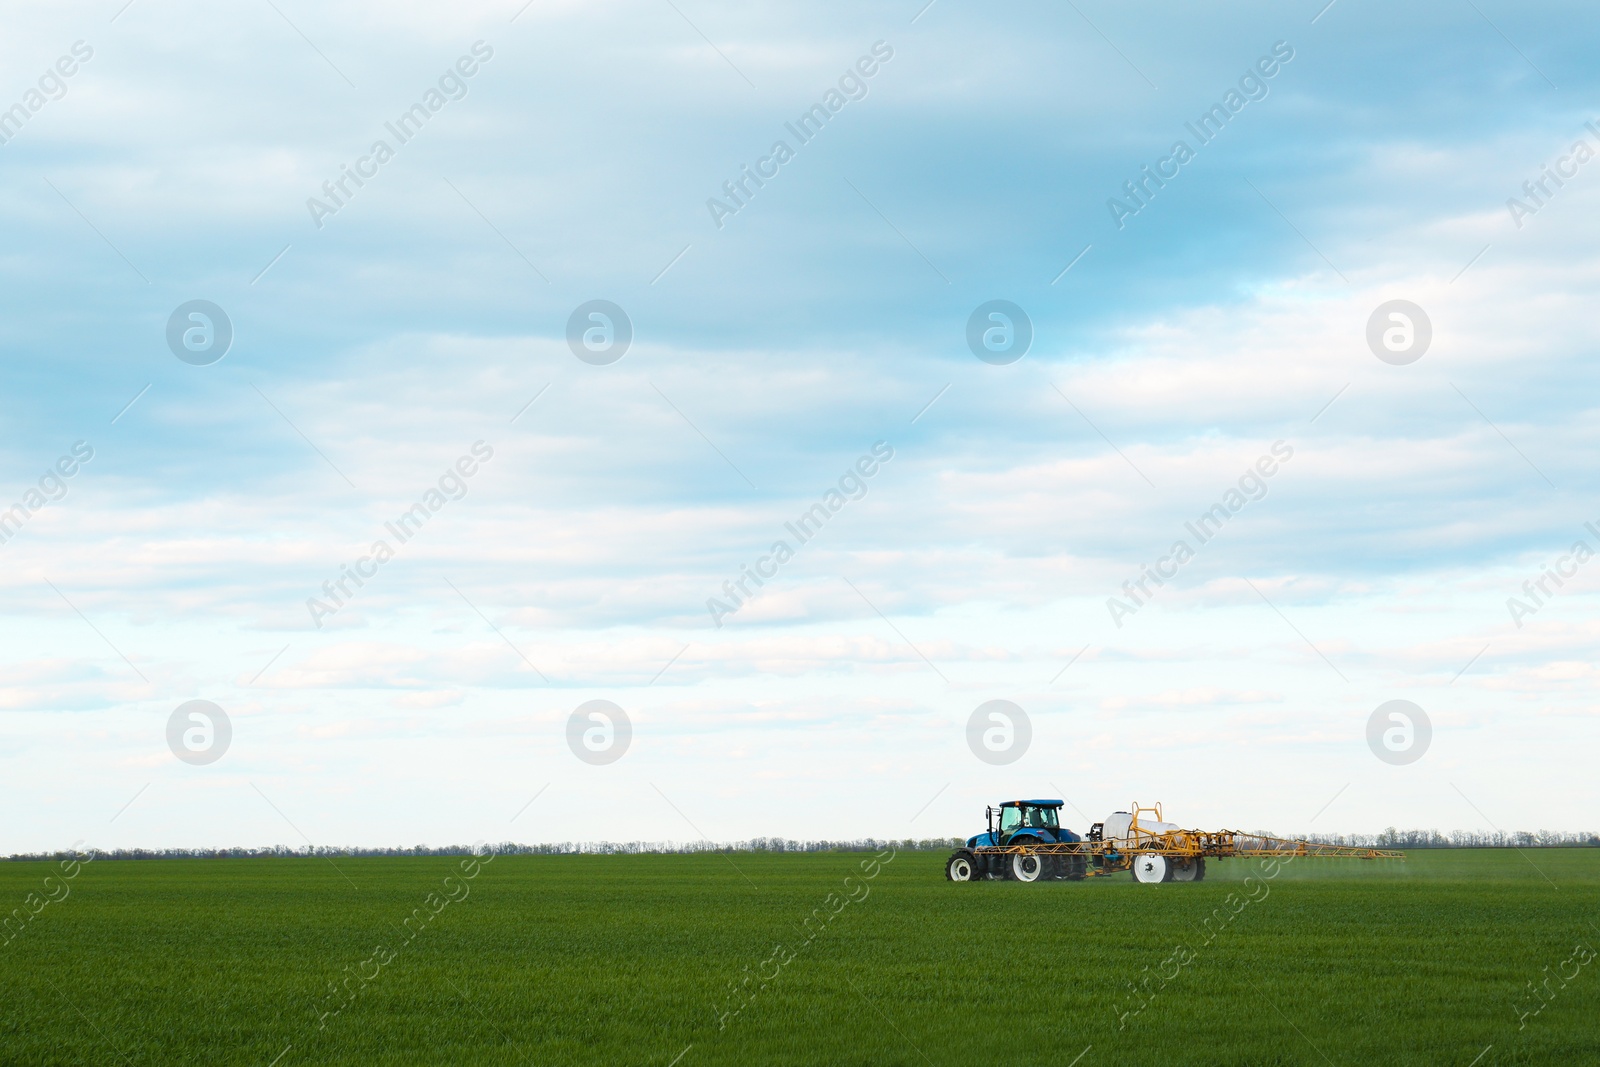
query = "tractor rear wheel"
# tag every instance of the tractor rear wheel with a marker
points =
(960, 867)
(1025, 866)
(1151, 868)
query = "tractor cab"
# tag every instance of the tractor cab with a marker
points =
(1022, 822)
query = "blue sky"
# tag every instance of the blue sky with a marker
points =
(768, 354)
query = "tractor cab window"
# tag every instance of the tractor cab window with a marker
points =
(1010, 819)
(1040, 818)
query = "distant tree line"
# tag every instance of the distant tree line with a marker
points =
(513, 848)
(1390, 838)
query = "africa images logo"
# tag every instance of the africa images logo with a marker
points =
(852, 485)
(453, 482)
(1206, 128)
(450, 86)
(852, 85)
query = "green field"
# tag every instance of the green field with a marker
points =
(633, 959)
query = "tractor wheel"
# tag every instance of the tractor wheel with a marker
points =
(1025, 866)
(1151, 868)
(960, 867)
(1076, 867)
(1190, 870)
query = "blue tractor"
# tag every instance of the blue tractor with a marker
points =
(1018, 822)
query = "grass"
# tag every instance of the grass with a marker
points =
(630, 960)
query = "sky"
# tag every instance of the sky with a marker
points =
(583, 510)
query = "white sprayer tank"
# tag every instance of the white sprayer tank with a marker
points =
(1116, 828)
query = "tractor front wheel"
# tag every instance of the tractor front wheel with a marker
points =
(960, 867)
